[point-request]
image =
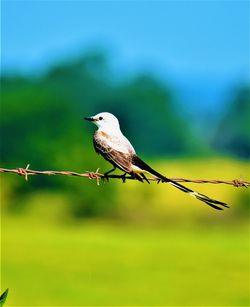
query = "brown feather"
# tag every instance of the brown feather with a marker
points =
(117, 158)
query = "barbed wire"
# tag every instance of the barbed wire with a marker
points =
(25, 172)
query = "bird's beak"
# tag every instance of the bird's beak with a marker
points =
(91, 119)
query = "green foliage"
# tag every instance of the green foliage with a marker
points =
(45, 114)
(3, 297)
(233, 133)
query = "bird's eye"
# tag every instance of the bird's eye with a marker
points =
(100, 118)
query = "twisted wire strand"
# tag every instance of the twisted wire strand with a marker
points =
(25, 172)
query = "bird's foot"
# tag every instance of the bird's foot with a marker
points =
(159, 180)
(123, 178)
(145, 178)
(105, 177)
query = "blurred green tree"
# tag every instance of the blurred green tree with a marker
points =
(233, 133)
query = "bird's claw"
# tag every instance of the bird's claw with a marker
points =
(123, 177)
(105, 177)
(159, 181)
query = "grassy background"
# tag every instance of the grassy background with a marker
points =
(162, 248)
(101, 264)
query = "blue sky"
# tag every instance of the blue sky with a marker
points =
(200, 45)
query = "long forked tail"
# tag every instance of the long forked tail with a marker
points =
(216, 204)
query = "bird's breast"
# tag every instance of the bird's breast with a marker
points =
(115, 142)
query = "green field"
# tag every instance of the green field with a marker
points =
(98, 264)
(160, 248)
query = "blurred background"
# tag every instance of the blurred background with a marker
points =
(176, 74)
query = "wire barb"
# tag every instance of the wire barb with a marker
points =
(23, 172)
(98, 176)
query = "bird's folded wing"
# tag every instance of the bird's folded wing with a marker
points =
(120, 159)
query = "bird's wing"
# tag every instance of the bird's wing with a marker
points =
(117, 158)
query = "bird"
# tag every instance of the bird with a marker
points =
(109, 141)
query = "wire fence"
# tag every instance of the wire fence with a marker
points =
(25, 172)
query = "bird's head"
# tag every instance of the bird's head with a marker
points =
(104, 121)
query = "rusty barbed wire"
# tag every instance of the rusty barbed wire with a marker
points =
(25, 172)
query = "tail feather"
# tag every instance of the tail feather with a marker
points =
(209, 201)
(216, 204)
